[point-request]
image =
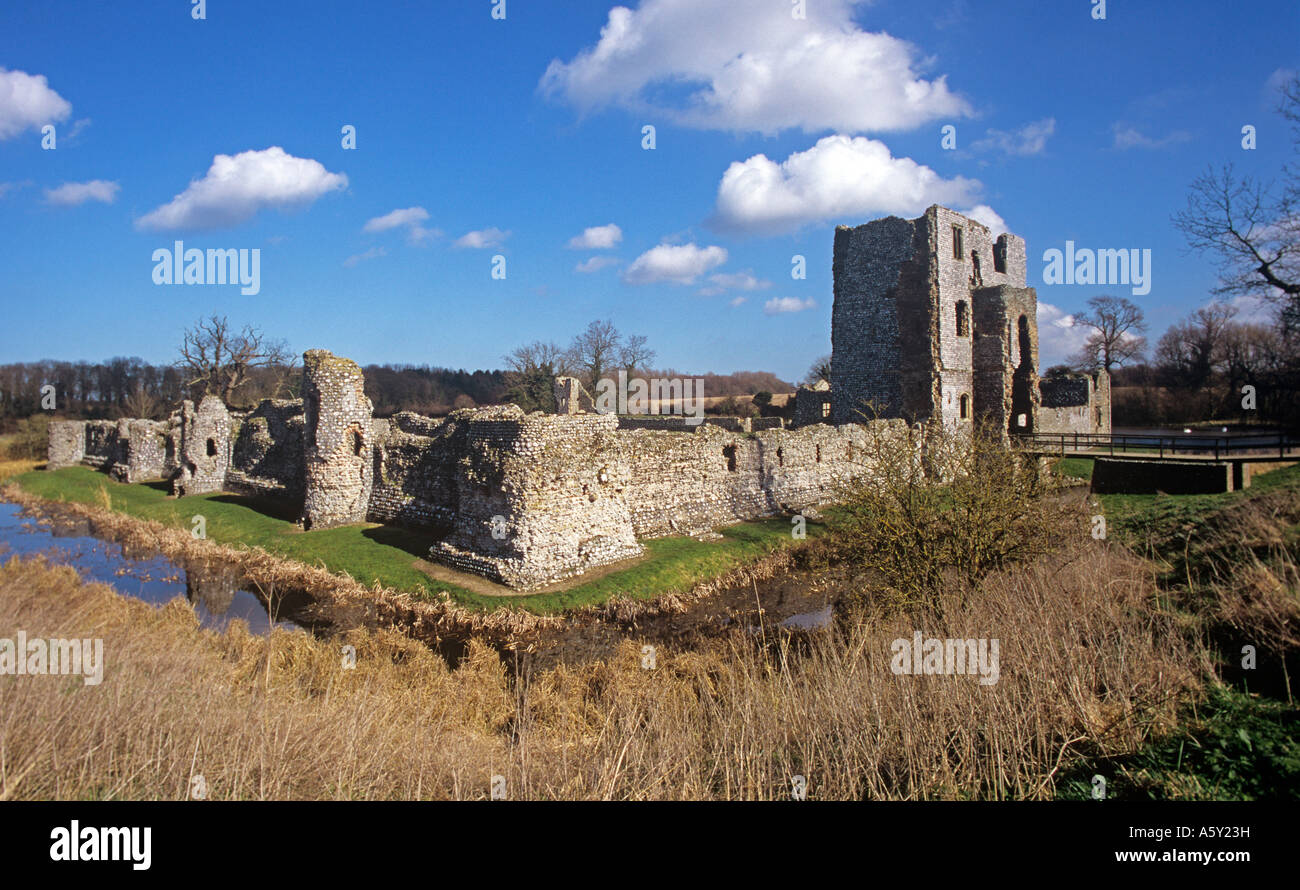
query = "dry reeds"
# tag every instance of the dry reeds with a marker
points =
(1088, 664)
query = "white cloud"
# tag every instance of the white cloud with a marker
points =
(840, 178)
(781, 305)
(1254, 309)
(676, 263)
(1059, 338)
(1278, 79)
(404, 217)
(482, 238)
(1128, 136)
(595, 264)
(597, 238)
(725, 281)
(410, 217)
(236, 187)
(1031, 139)
(26, 101)
(983, 213)
(70, 194)
(7, 187)
(738, 301)
(747, 65)
(372, 253)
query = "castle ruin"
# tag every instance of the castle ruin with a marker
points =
(932, 323)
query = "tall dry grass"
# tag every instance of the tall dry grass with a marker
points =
(1088, 664)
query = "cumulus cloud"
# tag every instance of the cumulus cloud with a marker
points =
(372, 253)
(725, 281)
(983, 213)
(27, 102)
(1059, 338)
(70, 194)
(595, 264)
(408, 217)
(782, 305)
(597, 238)
(675, 263)
(482, 238)
(746, 65)
(1031, 139)
(236, 187)
(840, 178)
(737, 301)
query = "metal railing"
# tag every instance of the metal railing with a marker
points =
(1246, 445)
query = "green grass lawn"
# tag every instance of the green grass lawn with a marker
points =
(1156, 515)
(386, 554)
(1074, 467)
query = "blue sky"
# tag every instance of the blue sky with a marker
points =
(515, 136)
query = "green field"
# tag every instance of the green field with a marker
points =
(387, 554)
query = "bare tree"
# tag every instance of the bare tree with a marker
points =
(538, 355)
(1253, 231)
(1117, 324)
(820, 370)
(217, 360)
(595, 352)
(140, 403)
(531, 375)
(1192, 351)
(634, 355)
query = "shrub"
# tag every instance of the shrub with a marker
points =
(31, 440)
(967, 504)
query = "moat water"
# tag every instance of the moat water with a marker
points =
(219, 597)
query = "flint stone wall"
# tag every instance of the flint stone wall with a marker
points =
(539, 497)
(205, 447)
(688, 483)
(267, 452)
(337, 441)
(67, 446)
(416, 460)
(141, 450)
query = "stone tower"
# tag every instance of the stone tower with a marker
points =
(337, 446)
(932, 322)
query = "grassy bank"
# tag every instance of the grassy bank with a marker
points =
(388, 556)
(1226, 565)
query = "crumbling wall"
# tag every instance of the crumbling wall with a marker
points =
(141, 450)
(812, 404)
(1075, 403)
(686, 483)
(415, 466)
(267, 456)
(67, 445)
(539, 497)
(571, 397)
(1101, 401)
(1005, 359)
(337, 441)
(101, 449)
(205, 447)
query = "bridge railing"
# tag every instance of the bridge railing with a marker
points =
(1161, 445)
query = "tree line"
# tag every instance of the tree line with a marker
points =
(242, 366)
